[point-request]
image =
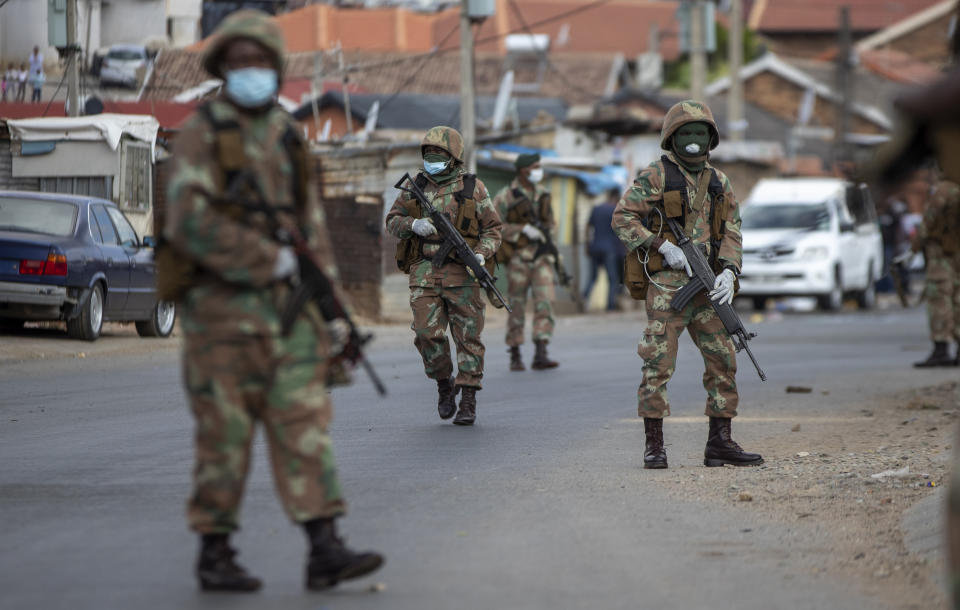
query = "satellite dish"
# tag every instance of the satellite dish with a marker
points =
(92, 105)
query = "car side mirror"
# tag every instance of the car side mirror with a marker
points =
(847, 227)
(149, 241)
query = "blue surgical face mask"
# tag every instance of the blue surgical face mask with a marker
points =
(436, 167)
(251, 87)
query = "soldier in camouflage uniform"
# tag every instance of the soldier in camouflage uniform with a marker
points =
(448, 294)
(237, 367)
(683, 184)
(937, 238)
(528, 269)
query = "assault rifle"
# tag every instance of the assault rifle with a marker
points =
(703, 279)
(547, 246)
(452, 241)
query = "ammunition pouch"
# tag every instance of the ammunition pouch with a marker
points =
(521, 211)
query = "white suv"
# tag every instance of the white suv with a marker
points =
(810, 237)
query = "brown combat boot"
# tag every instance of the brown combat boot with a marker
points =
(216, 569)
(468, 407)
(516, 362)
(330, 561)
(939, 357)
(446, 402)
(721, 449)
(654, 456)
(540, 359)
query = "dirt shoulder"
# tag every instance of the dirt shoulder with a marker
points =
(857, 476)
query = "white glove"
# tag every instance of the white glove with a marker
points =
(480, 259)
(339, 331)
(533, 233)
(423, 227)
(286, 263)
(722, 291)
(675, 257)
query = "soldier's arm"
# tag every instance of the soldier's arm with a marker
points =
(731, 246)
(399, 222)
(218, 243)
(634, 206)
(511, 231)
(491, 226)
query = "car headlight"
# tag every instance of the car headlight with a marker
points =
(815, 253)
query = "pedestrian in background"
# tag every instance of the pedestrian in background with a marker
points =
(447, 294)
(36, 81)
(604, 249)
(3, 85)
(238, 367)
(22, 83)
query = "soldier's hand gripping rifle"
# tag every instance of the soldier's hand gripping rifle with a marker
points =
(452, 240)
(703, 279)
(549, 247)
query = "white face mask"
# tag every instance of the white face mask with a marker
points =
(536, 175)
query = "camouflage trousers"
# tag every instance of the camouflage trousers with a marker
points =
(462, 309)
(234, 382)
(943, 300)
(658, 348)
(537, 277)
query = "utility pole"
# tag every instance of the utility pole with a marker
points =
(73, 68)
(468, 124)
(698, 51)
(735, 113)
(844, 87)
(345, 85)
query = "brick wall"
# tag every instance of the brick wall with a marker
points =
(928, 43)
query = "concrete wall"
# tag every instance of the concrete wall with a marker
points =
(23, 25)
(132, 21)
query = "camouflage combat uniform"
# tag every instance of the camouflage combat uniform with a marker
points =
(447, 295)
(939, 239)
(527, 271)
(237, 367)
(658, 346)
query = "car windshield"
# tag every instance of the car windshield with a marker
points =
(125, 54)
(37, 216)
(808, 216)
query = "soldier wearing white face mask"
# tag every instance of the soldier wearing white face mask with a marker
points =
(525, 208)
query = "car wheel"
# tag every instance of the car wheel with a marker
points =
(759, 303)
(161, 321)
(11, 325)
(87, 324)
(867, 299)
(833, 300)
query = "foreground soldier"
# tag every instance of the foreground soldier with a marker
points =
(238, 368)
(448, 294)
(937, 237)
(683, 185)
(519, 204)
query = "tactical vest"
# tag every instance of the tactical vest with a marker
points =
(674, 204)
(175, 273)
(410, 250)
(519, 212)
(945, 231)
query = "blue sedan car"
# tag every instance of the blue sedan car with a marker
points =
(76, 258)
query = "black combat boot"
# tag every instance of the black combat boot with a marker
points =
(939, 357)
(516, 362)
(468, 407)
(330, 561)
(721, 449)
(216, 569)
(655, 456)
(540, 359)
(446, 403)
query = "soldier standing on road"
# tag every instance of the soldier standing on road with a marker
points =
(448, 294)
(238, 368)
(683, 185)
(937, 238)
(520, 204)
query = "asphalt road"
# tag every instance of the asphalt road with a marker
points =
(543, 504)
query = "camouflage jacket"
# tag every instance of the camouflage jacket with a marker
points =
(647, 193)
(937, 234)
(512, 231)
(399, 223)
(233, 246)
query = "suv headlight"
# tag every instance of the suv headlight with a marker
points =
(815, 253)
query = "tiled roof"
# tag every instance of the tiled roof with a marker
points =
(898, 66)
(772, 16)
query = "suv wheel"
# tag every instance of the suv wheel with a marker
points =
(833, 300)
(867, 299)
(161, 321)
(87, 324)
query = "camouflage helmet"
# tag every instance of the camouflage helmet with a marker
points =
(248, 23)
(688, 111)
(447, 138)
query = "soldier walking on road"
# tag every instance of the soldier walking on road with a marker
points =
(522, 204)
(683, 185)
(447, 294)
(937, 238)
(238, 368)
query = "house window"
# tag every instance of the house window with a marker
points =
(136, 173)
(95, 186)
